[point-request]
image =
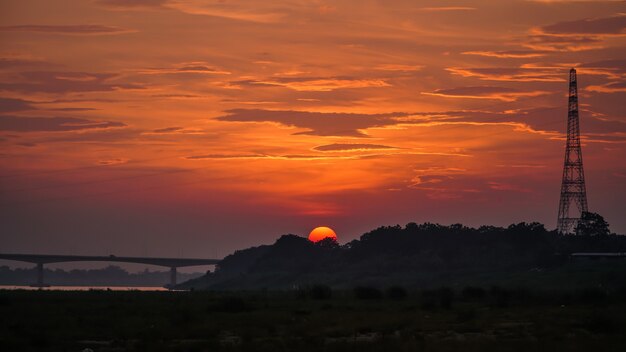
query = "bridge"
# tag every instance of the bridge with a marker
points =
(41, 259)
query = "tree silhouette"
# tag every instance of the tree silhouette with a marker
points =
(328, 242)
(592, 224)
(414, 255)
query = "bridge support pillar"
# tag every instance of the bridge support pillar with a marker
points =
(39, 282)
(172, 277)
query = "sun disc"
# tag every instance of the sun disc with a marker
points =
(322, 232)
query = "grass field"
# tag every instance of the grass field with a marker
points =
(315, 319)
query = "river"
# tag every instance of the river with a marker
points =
(84, 288)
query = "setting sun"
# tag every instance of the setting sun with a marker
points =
(322, 232)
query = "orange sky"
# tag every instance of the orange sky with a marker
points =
(188, 127)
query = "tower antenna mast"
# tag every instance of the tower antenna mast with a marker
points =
(573, 183)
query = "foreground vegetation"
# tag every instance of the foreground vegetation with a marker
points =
(315, 318)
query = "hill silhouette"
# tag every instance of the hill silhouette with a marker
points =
(426, 255)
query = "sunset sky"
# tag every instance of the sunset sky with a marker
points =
(194, 128)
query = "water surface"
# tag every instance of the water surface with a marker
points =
(84, 288)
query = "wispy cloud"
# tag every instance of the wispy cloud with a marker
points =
(485, 92)
(507, 74)
(113, 161)
(52, 124)
(133, 4)
(193, 67)
(304, 84)
(293, 157)
(612, 87)
(557, 43)
(63, 82)
(446, 8)
(175, 130)
(606, 25)
(577, 35)
(78, 29)
(12, 105)
(315, 123)
(241, 10)
(507, 54)
(340, 147)
(399, 67)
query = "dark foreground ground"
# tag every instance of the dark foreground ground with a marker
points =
(315, 319)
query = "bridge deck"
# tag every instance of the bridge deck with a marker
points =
(53, 258)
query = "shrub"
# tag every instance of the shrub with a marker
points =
(230, 305)
(601, 323)
(321, 292)
(501, 296)
(446, 297)
(466, 315)
(473, 293)
(396, 293)
(593, 295)
(363, 292)
(443, 296)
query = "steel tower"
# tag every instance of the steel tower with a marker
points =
(573, 184)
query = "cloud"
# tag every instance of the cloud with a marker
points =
(613, 69)
(133, 4)
(485, 92)
(336, 147)
(562, 43)
(11, 105)
(458, 183)
(247, 10)
(274, 157)
(612, 87)
(16, 60)
(507, 54)
(399, 67)
(566, 1)
(52, 124)
(578, 35)
(607, 25)
(303, 84)
(607, 138)
(63, 82)
(79, 29)
(167, 130)
(521, 74)
(618, 65)
(446, 8)
(73, 109)
(114, 161)
(443, 182)
(194, 67)
(225, 156)
(548, 121)
(242, 10)
(175, 130)
(111, 135)
(498, 186)
(315, 123)
(250, 11)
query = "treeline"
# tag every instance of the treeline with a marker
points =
(417, 255)
(109, 276)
